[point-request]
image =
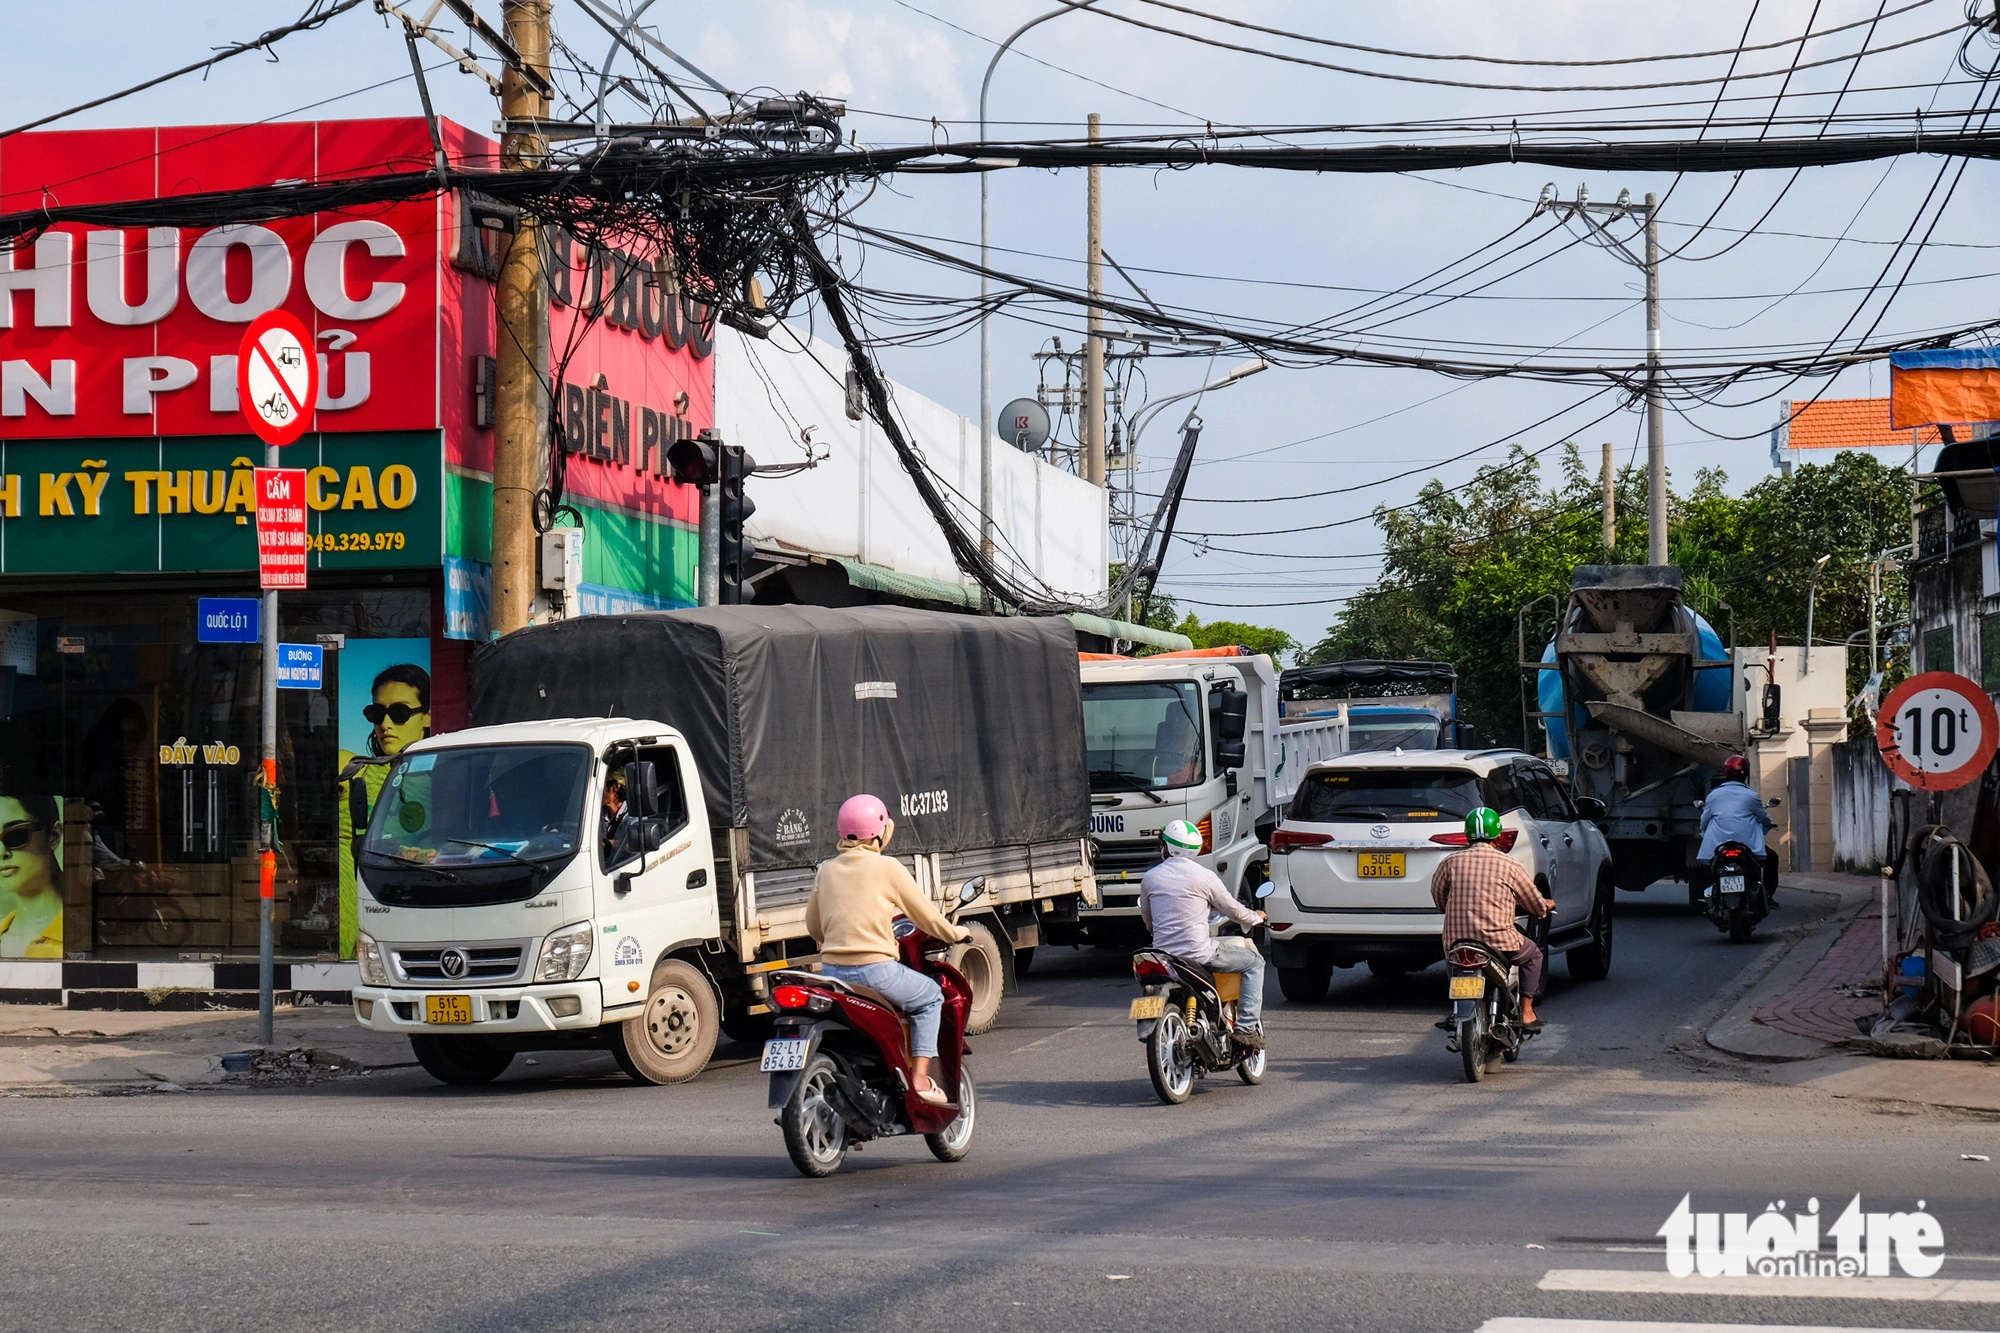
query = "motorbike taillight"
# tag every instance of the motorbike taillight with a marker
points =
(791, 997)
(1150, 969)
(1466, 958)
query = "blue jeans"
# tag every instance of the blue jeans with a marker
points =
(910, 991)
(1236, 954)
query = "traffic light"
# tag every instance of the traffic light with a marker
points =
(693, 462)
(733, 510)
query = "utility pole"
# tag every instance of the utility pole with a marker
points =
(1093, 346)
(1656, 424)
(1583, 211)
(1610, 500)
(517, 434)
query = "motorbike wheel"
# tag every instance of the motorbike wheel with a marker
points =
(1251, 1067)
(1740, 928)
(1168, 1059)
(815, 1131)
(1472, 1049)
(954, 1141)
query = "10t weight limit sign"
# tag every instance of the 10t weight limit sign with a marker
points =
(1937, 731)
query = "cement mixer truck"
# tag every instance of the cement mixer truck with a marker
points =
(1634, 694)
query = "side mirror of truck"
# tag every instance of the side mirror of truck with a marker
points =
(1229, 755)
(1231, 714)
(642, 789)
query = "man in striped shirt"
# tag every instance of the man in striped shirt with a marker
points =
(1480, 890)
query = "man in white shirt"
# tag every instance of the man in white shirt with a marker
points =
(1176, 899)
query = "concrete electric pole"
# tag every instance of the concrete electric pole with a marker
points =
(1581, 210)
(1610, 500)
(523, 306)
(1093, 347)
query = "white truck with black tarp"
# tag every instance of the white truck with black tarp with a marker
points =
(506, 905)
(1193, 735)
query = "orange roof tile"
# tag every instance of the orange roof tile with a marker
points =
(1849, 423)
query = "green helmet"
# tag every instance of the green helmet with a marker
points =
(1181, 838)
(1482, 825)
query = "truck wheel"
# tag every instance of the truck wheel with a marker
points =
(980, 959)
(1592, 961)
(463, 1062)
(747, 1029)
(1305, 985)
(673, 1036)
(1023, 960)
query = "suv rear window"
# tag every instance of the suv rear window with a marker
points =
(1390, 793)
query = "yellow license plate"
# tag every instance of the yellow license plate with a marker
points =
(1467, 988)
(1149, 1006)
(447, 1008)
(1380, 865)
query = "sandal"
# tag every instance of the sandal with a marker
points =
(933, 1095)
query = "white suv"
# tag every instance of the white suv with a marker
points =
(1351, 861)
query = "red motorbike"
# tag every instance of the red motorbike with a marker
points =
(840, 1060)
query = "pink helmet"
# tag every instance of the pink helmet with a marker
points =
(862, 817)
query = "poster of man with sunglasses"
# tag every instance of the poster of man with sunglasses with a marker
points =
(385, 704)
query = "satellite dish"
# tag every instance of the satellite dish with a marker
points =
(1024, 423)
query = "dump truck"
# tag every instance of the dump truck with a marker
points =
(1193, 735)
(1385, 705)
(1634, 694)
(505, 906)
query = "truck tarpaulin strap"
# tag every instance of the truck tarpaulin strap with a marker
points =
(969, 728)
(1944, 385)
(1365, 671)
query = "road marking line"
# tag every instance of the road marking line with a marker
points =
(1619, 1325)
(1631, 1281)
(1064, 1033)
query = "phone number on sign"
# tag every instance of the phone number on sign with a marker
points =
(354, 541)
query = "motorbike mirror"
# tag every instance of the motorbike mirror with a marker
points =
(969, 890)
(1773, 803)
(1264, 890)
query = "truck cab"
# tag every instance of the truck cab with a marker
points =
(539, 885)
(1172, 738)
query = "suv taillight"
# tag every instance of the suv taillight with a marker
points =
(1284, 840)
(1505, 842)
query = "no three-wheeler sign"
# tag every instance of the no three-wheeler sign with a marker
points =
(1937, 731)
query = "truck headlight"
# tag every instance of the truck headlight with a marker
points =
(565, 953)
(374, 971)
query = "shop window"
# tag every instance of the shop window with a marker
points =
(1989, 651)
(1938, 650)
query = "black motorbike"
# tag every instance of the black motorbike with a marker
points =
(1736, 899)
(1187, 1018)
(1485, 1026)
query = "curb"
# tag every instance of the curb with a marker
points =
(1739, 1033)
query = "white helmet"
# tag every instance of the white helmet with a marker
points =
(1181, 838)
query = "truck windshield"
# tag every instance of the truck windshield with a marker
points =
(481, 805)
(1392, 793)
(1391, 728)
(1143, 734)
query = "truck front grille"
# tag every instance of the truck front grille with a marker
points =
(489, 963)
(1135, 857)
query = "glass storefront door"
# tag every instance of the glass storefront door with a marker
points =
(128, 755)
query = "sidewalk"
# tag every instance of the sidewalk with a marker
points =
(1797, 1021)
(45, 1051)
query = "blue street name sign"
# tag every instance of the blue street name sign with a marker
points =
(227, 620)
(301, 666)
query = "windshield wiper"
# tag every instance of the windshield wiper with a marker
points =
(414, 863)
(1131, 778)
(491, 847)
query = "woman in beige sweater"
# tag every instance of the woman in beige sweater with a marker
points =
(855, 901)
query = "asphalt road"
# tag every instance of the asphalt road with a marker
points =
(1364, 1185)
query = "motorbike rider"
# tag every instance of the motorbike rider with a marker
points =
(1734, 812)
(1480, 890)
(856, 898)
(1176, 898)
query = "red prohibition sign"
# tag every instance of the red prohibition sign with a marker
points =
(277, 377)
(1938, 731)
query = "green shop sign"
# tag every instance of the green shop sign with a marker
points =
(183, 505)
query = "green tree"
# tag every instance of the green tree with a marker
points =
(1460, 564)
(1224, 633)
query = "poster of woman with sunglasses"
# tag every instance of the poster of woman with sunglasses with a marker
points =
(31, 901)
(385, 704)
